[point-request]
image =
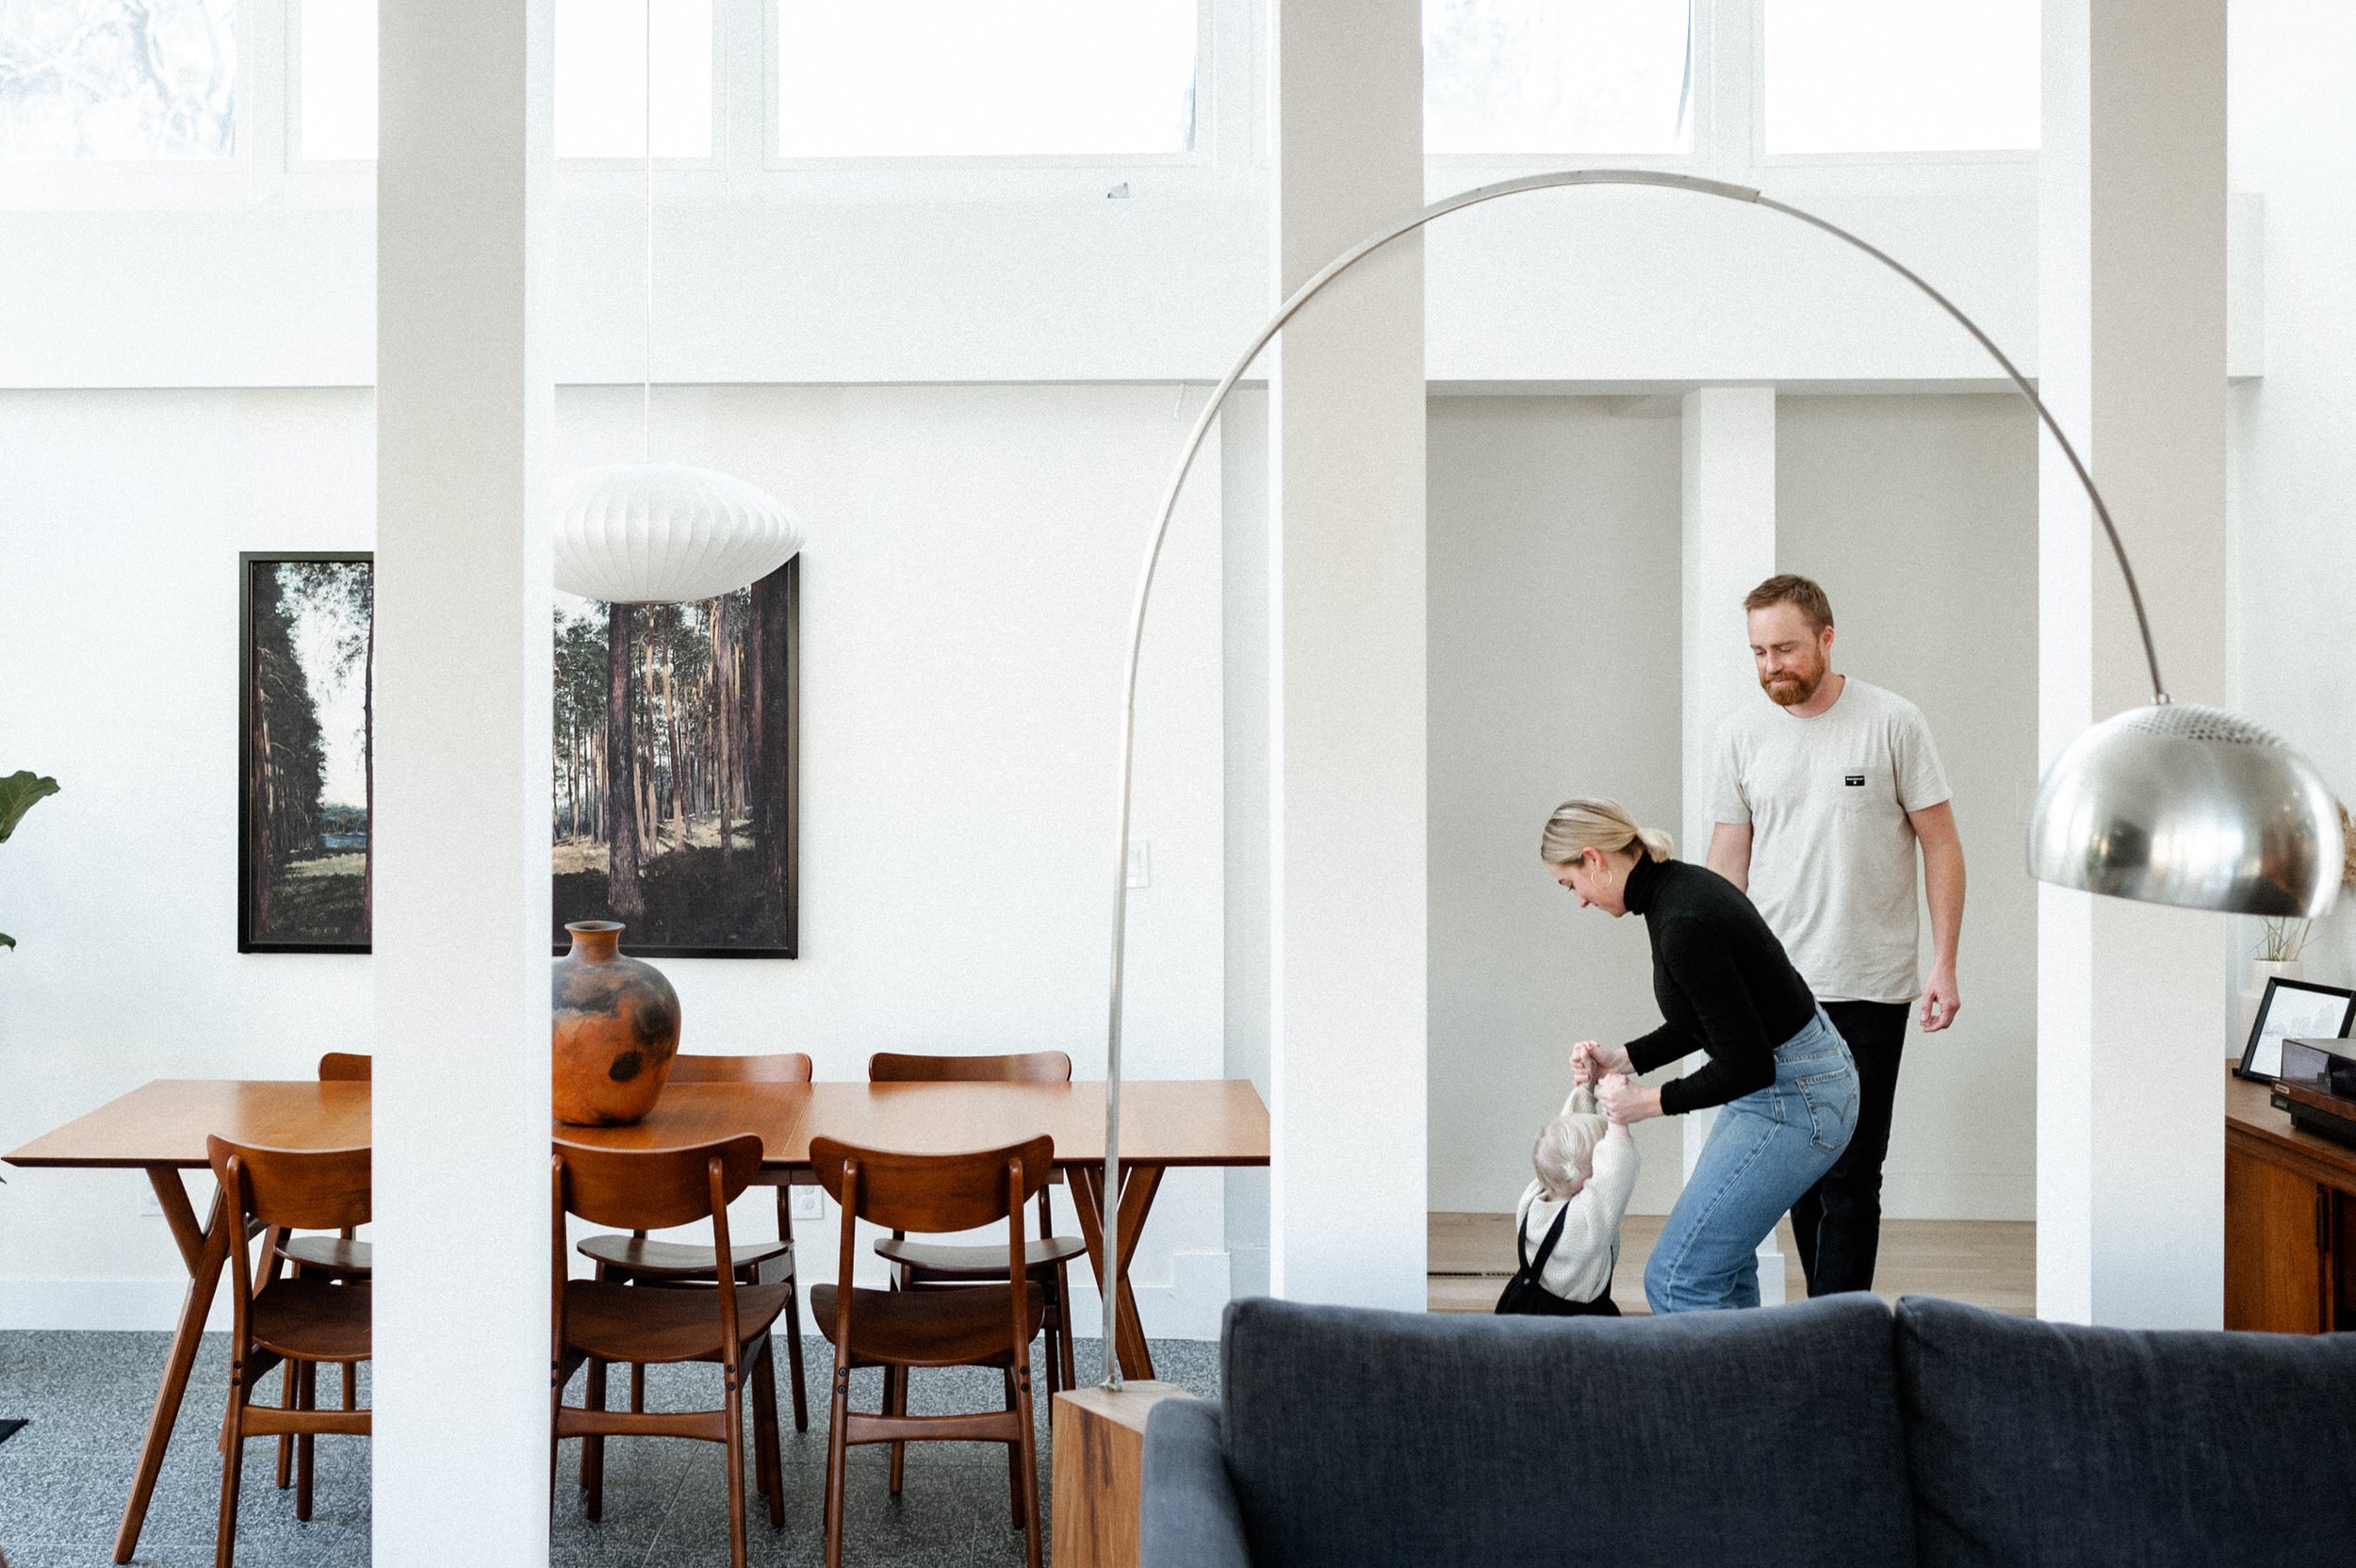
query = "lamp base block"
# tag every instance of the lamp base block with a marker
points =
(1099, 1466)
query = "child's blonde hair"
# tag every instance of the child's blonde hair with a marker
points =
(1564, 1156)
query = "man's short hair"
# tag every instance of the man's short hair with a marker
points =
(1801, 593)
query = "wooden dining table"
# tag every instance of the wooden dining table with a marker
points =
(160, 1128)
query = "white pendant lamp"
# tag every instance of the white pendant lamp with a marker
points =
(650, 532)
(666, 532)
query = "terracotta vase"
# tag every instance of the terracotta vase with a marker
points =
(617, 1030)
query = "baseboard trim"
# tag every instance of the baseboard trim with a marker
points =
(106, 1306)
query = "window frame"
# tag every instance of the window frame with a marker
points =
(241, 163)
(1761, 157)
(1203, 154)
(1700, 116)
(296, 163)
(717, 158)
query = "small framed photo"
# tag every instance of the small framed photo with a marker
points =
(2294, 1010)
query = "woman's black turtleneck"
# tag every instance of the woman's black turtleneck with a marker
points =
(1722, 982)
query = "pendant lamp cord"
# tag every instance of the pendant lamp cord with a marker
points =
(646, 390)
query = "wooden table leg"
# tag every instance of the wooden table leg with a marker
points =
(1138, 1183)
(205, 1252)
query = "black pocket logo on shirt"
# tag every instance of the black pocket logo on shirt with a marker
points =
(1854, 780)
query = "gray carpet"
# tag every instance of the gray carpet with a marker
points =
(63, 1479)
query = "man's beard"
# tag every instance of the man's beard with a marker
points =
(1791, 689)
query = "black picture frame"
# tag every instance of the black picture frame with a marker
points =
(2247, 1067)
(787, 586)
(250, 876)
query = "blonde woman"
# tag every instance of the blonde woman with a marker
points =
(1778, 1068)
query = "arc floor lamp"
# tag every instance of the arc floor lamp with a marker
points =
(2173, 803)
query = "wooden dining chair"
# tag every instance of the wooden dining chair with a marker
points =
(298, 1320)
(976, 1325)
(606, 1320)
(921, 1264)
(634, 1259)
(336, 1256)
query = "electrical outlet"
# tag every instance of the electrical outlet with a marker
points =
(1141, 864)
(809, 1203)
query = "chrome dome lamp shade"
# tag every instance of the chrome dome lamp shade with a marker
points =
(2190, 805)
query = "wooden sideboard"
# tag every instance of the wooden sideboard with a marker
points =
(2290, 1221)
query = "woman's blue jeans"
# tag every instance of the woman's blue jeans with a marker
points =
(1767, 1149)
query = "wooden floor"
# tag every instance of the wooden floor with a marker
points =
(1989, 1263)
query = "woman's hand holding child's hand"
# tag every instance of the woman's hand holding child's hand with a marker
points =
(1590, 1061)
(1623, 1100)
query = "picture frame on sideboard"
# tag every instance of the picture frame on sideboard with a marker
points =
(2294, 1010)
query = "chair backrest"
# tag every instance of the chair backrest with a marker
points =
(345, 1066)
(651, 1189)
(1028, 1066)
(931, 1192)
(782, 1067)
(294, 1189)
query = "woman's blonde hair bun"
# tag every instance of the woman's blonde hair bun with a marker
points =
(1585, 824)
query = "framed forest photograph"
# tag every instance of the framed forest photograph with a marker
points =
(305, 780)
(676, 800)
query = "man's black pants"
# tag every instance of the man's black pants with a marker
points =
(1837, 1222)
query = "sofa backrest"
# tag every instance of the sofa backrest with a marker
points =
(2032, 1442)
(1367, 1439)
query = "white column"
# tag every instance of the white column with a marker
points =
(1729, 521)
(463, 657)
(2131, 354)
(1346, 463)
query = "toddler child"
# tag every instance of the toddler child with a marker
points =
(1586, 1167)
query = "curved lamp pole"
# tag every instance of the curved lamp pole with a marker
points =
(2169, 804)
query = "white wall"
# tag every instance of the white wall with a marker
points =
(1554, 671)
(2292, 629)
(1919, 516)
(121, 519)
(965, 594)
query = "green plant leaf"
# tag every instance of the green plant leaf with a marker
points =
(7, 940)
(17, 791)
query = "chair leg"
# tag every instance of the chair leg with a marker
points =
(1014, 1464)
(593, 1444)
(768, 1466)
(793, 1354)
(735, 1449)
(233, 1456)
(896, 1403)
(836, 1449)
(286, 1380)
(351, 1385)
(637, 1388)
(1027, 1446)
(308, 1397)
(1063, 1314)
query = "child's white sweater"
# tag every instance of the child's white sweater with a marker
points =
(1580, 1268)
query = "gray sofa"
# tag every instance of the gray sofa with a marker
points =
(1830, 1432)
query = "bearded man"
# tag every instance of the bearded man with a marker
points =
(1821, 798)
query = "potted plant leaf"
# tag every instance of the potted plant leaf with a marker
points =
(17, 791)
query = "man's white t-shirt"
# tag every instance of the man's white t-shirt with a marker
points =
(1832, 853)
